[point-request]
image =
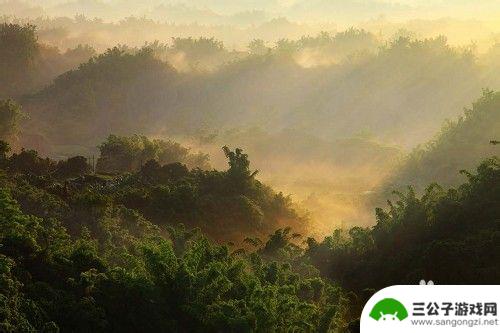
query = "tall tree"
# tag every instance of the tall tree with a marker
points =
(10, 117)
(18, 52)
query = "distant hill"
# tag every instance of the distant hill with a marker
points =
(332, 86)
(115, 91)
(460, 145)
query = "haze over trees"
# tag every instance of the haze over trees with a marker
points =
(350, 102)
(110, 251)
(10, 119)
(26, 65)
(459, 145)
(162, 176)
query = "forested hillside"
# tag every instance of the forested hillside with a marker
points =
(27, 65)
(450, 236)
(198, 84)
(322, 108)
(460, 145)
(188, 182)
(153, 178)
(86, 252)
(114, 91)
(131, 278)
(305, 85)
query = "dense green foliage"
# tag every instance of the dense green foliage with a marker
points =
(72, 258)
(226, 205)
(82, 252)
(450, 236)
(135, 280)
(150, 238)
(127, 154)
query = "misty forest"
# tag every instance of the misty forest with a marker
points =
(253, 166)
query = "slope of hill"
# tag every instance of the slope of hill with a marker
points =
(460, 145)
(449, 236)
(114, 92)
(78, 252)
(330, 86)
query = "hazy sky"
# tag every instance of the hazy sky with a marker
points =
(307, 10)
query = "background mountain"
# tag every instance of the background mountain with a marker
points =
(119, 211)
(334, 113)
(460, 145)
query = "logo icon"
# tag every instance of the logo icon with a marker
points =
(389, 309)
